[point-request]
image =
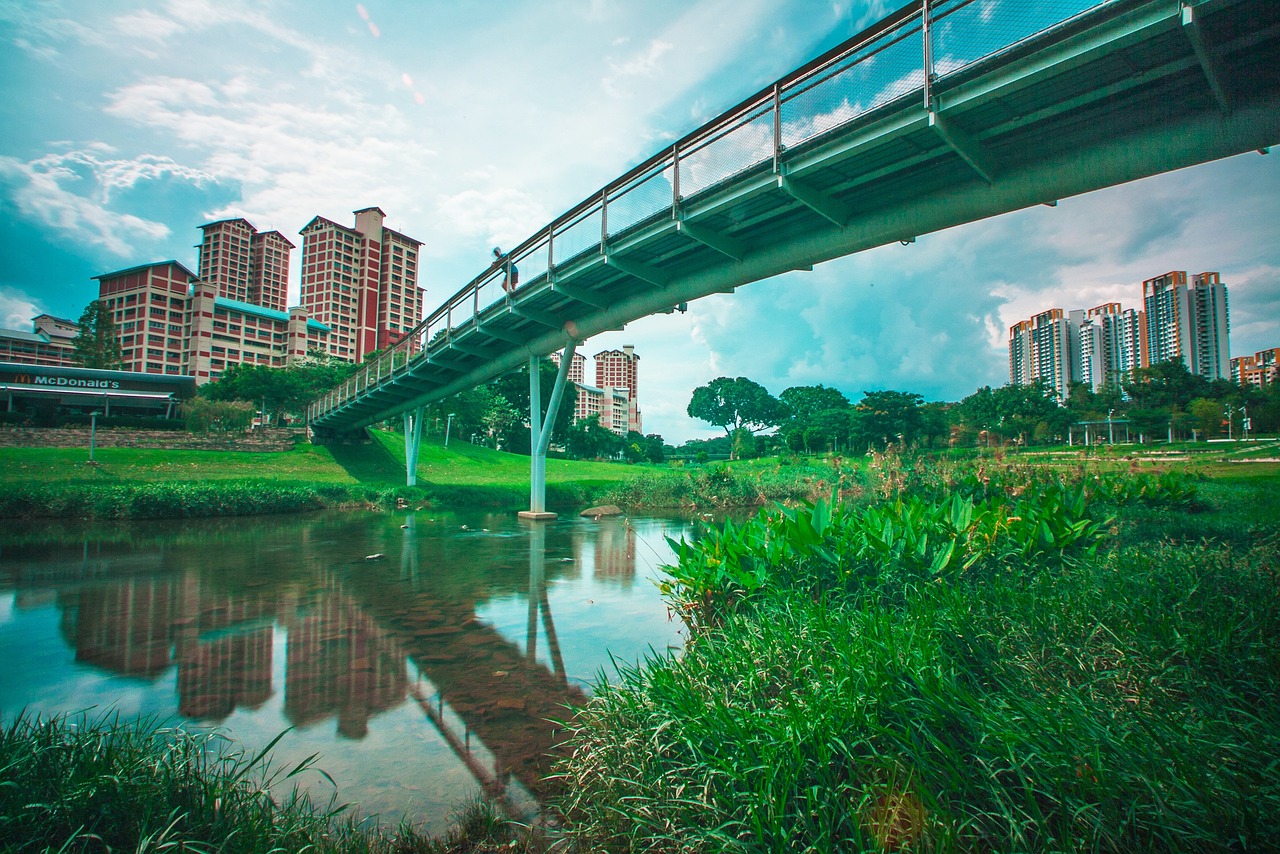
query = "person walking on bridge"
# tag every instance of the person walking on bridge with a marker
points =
(510, 275)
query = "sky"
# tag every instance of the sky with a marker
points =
(473, 123)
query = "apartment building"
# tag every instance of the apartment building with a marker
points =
(1110, 344)
(361, 282)
(149, 306)
(1046, 348)
(170, 321)
(1188, 322)
(244, 265)
(51, 342)
(1262, 368)
(619, 369)
(1181, 319)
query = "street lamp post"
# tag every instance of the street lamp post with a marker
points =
(93, 432)
(447, 424)
(1111, 434)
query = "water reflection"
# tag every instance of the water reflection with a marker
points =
(464, 622)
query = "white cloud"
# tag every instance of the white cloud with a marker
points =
(503, 216)
(71, 192)
(16, 311)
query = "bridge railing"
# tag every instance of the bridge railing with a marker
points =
(900, 57)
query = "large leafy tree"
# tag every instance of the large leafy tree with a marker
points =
(96, 344)
(890, 416)
(1166, 385)
(587, 440)
(740, 406)
(815, 414)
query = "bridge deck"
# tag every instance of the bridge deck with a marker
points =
(853, 151)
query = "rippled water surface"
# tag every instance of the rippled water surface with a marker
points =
(420, 654)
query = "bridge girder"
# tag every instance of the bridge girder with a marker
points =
(983, 145)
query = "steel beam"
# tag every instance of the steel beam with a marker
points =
(581, 295)
(502, 334)
(1208, 62)
(537, 315)
(820, 203)
(725, 244)
(636, 270)
(470, 350)
(969, 149)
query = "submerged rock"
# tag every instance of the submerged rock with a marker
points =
(602, 510)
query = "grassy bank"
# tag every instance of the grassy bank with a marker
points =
(80, 783)
(140, 483)
(995, 660)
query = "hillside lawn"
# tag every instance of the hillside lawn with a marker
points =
(381, 461)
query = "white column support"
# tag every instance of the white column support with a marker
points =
(540, 430)
(412, 443)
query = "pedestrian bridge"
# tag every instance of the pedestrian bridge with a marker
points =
(944, 113)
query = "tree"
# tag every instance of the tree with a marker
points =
(1166, 385)
(1207, 415)
(587, 440)
(96, 344)
(736, 405)
(806, 406)
(889, 416)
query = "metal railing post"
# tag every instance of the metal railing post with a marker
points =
(928, 54)
(675, 181)
(777, 127)
(604, 217)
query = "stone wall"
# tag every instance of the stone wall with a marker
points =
(271, 439)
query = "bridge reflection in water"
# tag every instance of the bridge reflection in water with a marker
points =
(232, 613)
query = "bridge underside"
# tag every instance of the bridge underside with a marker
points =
(1129, 90)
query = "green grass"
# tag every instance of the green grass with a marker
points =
(119, 465)
(88, 784)
(142, 483)
(1126, 701)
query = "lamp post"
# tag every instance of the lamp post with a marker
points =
(1111, 434)
(93, 432)
(447, 424)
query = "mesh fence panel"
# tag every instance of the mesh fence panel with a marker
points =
(532, 262)
(582, 235)
(727, 153)
(885, 69)
(965, 31)
(490, 291)
(639, 200)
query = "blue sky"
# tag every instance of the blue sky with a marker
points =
(127, 125)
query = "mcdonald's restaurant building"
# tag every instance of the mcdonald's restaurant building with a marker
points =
(45, 392)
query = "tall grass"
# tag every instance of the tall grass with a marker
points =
(1127, 704)
(80, 783)
(1033, 695)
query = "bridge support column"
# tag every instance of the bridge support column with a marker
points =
(540, 431)
(412, 442)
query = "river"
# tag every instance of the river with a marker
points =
(422, 655)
